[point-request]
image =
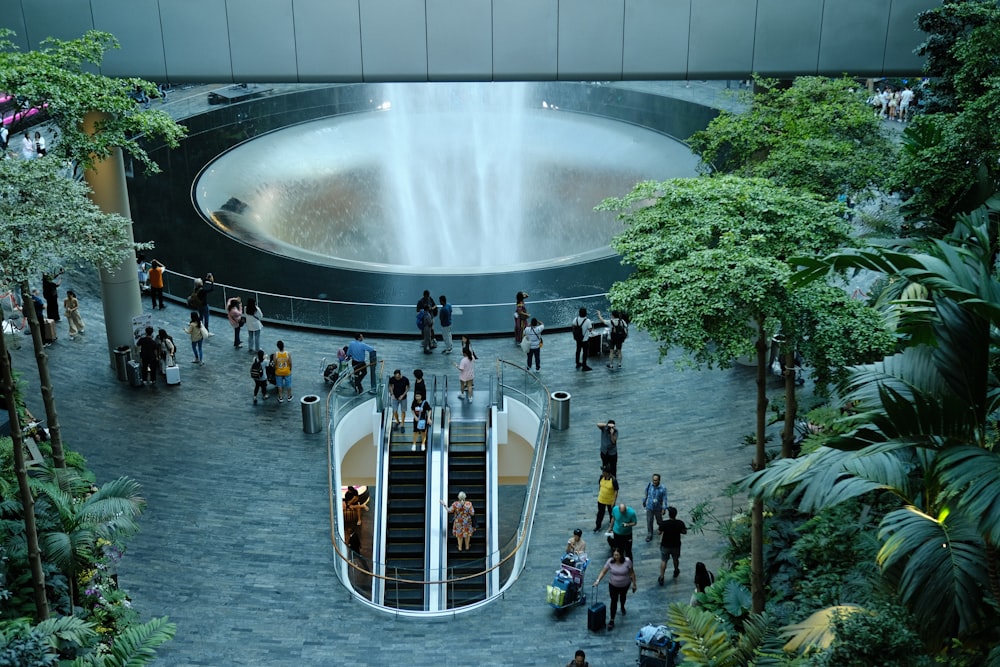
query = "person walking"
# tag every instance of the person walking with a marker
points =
(623, 518)
(149, 356)
(357, 351)
(609, 445)
(463, 525)
(534, 335)
(703, 578)
(258, 372)
(399, 387)
(282, 362)
(619, 332)
(168, 350)
(670, 544)
(234, 309)
(421, 420)
(444, 320)
(198, 333)
(156, 283)
(521, 316)
(654, 502)
(620, 573)
(71, 307)
(583, 329)
(607, 496)
(466, 374)
(254, 323)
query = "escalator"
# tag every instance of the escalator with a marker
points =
(406, 516)
(467, 472)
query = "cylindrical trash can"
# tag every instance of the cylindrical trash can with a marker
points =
(123, 355)
(312, 414)
(560, 410)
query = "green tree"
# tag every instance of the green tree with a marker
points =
(712, 278)
(949, 161)
(817, 135)
(47, 217)
(922, 429)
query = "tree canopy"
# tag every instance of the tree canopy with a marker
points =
(711, 257)
(55, 79)
(817, 135)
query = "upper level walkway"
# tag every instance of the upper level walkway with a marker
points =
(484, 40)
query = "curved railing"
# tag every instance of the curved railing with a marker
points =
(327, 314)
(356, 573)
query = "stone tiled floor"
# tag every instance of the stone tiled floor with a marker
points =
(235, 543)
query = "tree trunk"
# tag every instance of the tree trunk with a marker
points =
(759, 461)
(45, 382)
(21, 472)
(791, 407)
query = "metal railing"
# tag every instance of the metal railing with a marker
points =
(331, 314)
(357, 574)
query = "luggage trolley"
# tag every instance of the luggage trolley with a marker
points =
(567, 588)
(657, 647)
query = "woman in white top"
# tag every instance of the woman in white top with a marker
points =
(255, 323)
(534, 335)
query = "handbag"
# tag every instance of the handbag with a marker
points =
(525, 345)
(243, 320)
(422, 424)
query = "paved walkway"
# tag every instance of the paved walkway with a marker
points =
(235, 543)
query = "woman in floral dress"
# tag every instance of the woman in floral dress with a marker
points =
(462, 527)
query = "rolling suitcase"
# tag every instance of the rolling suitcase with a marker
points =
(134, 372)
(173, 374)
(48, 331)
(597, 615)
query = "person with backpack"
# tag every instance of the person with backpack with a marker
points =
(258, 373)
(583, 329)
(426, 312)
(619, 332)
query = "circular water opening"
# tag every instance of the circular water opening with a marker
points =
(439, 179)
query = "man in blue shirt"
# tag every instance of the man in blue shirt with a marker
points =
(444, 319)
(357, 351)
(654, 502)
(623, 518)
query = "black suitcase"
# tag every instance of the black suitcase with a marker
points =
(597, 615)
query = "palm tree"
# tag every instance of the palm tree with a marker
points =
(70, 525)
(923, 430)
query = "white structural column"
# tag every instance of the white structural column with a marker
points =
(120, 294)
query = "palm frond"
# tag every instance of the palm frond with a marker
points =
(816, 632)
(940, 564)
(703, 639)
(972, 476)
(136, 646)
(67, 630)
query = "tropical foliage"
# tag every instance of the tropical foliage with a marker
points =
(921, 431)
(817, 135)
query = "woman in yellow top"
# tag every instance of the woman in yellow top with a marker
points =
(606, 497)
(282, 362)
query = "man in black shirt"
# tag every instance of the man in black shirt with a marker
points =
(670, 544)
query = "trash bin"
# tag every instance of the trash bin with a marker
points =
(312, 414)
(560, 410)
(123, 355)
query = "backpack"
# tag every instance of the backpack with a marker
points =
(420, 321)
(193, 301)
(577, 330)
(257, 370)
(619, 329)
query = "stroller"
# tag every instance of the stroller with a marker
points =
(567, 589)
(332, 372)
